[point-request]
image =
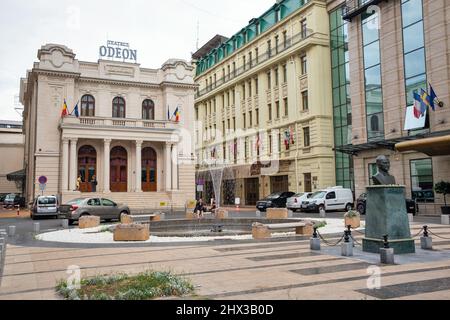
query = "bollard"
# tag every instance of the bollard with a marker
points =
(410, 217)
(314, 242)
(426, 242)
(347, 246)
(445, 219)
(290, 213)
(386, 253)
(36, 227)
(11, 231)
(65, 223)
(258, 213)
(18, 210)
(322, 213)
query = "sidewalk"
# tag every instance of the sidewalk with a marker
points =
(12, 213)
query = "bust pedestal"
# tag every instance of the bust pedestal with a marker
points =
(386, 214)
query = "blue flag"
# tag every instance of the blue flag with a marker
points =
(77, 112)
(433, 97)
(168, 112)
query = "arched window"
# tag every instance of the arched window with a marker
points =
(148, 110)
(374, 123)
(87, 106)
(87, 168)
(118, 108)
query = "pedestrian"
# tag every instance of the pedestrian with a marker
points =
(94, 183)
(199, 208)
(79, 180)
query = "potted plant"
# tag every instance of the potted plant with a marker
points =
(444, 189)
(353, 219)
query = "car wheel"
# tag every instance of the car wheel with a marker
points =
(71, 222)
(361, 209)
(294, 210)
(348, 207)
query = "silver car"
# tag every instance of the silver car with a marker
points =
(104, 208)
(44, 206)
(295, 202)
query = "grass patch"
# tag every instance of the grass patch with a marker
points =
(320, 224)
(144, 286)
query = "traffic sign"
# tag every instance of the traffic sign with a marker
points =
(42, 179)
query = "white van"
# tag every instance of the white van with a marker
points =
(331, 199)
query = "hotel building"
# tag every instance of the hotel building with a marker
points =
(263, 106)
(122, 138)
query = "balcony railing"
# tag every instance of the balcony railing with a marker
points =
(283, 46)
(354, 8)
(102, 122)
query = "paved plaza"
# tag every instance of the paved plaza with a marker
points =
(282, 268)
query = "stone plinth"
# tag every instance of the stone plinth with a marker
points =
(131, 232)
(260, 231)
(277, 213)
(221, 214)
(87, 222)
(386, 214)
(126, 219)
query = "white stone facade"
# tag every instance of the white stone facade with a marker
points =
(110, 139)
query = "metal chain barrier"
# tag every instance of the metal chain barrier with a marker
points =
(355, 241)
(440, 237)
(328, 243)
(418, 234)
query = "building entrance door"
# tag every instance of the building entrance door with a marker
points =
(251, 191)
(279, 184)
(119, 170)
(308, 182)
(87, 167)
(149, 170)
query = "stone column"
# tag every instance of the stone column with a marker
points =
(168, 166)
(175, 167)
(65, 165)
(138, 165)
(106, 165)
(73, 165)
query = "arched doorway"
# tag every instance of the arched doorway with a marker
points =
(149, 170)
(119, 170)
(87, 168)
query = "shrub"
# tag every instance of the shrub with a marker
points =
(444, 189)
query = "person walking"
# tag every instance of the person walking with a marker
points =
(94, 183)
(79, 180)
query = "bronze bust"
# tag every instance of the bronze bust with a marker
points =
(383, 178)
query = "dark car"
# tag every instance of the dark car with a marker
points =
(411, 205)
(12, 200)
(275, 200)
(2, 197)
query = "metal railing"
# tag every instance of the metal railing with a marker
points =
(302, 35)
(115, 122)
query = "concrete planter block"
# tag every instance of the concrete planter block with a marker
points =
(307, 230)
(387, 256)
(426, 243)
(347, 249)
(259, 231)
(131, 232)
(315, 244)
(11, 231)
(353, 221)
(87, 222)
(221, 214)
(126, 219)
(445, 219)
(277, 213)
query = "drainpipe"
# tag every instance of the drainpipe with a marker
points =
(296, 125)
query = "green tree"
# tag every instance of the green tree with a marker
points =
(443, 188)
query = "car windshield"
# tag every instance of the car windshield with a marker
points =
(274, 196)
(318, 195)
(76, 201)
(298, 195)
(10, 196)
(47, 201)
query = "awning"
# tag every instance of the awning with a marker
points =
(437, 146)
(16, 176)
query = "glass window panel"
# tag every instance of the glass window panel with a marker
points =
(339, 176)
(343, 95)
(413, 37)
(374, 101)
(372, 54)
(375, 126)
(334, 58)
(373, 77)
(370, 31)
(414, 63)
(339, 160)
(414, 85)
(411, 12)
(336, 97)
(335, 75)
(338, 136)
(337, 117)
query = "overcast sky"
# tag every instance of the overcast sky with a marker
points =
(158, 30)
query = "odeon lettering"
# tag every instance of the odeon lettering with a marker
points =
(118, 50)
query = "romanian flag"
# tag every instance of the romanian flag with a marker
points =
(287, 139)
(64, 110)
(292, 135)
(418, 106)
(177, 115)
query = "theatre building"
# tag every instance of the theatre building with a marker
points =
(125, 136)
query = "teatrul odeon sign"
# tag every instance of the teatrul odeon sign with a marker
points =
(118, 50)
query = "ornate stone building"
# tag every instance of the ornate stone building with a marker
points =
(123, 137)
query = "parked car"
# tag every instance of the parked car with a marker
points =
(44, 206)
(104, 208)
(12, 200)
(294, 203)
(331, 199)
(2, 197)
(275, 200)
(411, 205)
